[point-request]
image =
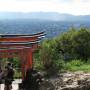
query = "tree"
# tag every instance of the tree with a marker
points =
(75, 43)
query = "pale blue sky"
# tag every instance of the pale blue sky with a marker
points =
(75, 7)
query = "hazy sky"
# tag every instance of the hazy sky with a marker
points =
(76, 7)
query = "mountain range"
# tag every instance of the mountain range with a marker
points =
(54, 16)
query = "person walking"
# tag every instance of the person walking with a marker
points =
(9, 77)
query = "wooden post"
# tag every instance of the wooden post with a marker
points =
(22, 59)
(29, 58)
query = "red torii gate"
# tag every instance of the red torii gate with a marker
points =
(21, 45)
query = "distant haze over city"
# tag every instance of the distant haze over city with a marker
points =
(54, 16)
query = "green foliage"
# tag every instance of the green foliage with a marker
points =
(38, 64)
(15, 61)
(50, 57)
(74, 63)
(75, 43)
(78, 65)
(47, 53)
(59, 64)
(72, 45)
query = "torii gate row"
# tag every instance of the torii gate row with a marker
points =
(25, 55)
(24, 45)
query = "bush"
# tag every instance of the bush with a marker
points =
(60, 64)
(51, 57)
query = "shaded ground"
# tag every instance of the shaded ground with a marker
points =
(64, 81)
(14, 85)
